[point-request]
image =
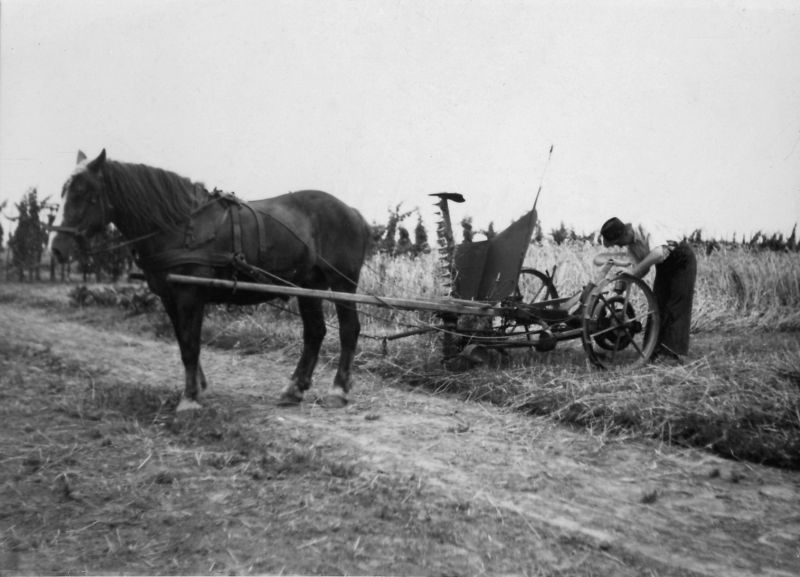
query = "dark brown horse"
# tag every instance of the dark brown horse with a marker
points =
(308, 239)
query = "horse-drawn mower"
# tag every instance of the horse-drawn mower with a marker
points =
(195, 247)
(494, 303)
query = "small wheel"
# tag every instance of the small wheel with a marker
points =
(534, 286)
(620, 323)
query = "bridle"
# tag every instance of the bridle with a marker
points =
(80, 234)
(96, 197)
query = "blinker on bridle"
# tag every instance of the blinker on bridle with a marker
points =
(105, 206)
(95, 198)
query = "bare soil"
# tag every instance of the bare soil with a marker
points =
(98, 475)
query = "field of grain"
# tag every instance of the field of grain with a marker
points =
(737, 393)
(735, 287)
(534, 465)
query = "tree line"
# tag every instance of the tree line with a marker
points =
(108, 257)
(395, 239)
(757, 241)
(28, 243)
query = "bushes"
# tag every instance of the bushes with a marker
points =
(135, 299)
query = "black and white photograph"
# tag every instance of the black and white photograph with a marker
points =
(400, 287)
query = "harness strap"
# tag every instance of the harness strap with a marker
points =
(171, 257)
(261, 231)
(236, 223)
(257, 274)
(192, 253)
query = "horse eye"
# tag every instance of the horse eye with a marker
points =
(78, 188)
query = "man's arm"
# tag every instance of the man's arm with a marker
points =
(655, 256)
(617, 258)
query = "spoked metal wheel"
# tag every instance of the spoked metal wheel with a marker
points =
(620, 323)
(533, 286)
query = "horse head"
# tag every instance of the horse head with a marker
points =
(87, 211)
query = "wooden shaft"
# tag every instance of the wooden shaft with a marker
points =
(460, 307)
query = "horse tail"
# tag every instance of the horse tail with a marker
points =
(370, 242)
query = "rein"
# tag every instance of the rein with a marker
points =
(122, 244)
(77, 233)
(72, 230)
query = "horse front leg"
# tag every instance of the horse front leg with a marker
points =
(186, 313)
(313, 333)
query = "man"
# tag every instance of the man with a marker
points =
(676, 271)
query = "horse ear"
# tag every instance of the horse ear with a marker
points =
(81, 157)
(98, 162)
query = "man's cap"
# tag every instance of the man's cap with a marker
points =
(612, 230)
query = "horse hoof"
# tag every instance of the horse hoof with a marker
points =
(188, 405)
(290, 399)
(334, 401)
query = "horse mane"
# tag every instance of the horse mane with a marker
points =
(145, 197)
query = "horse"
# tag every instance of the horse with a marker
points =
(308, 239)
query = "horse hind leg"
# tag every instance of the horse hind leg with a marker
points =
(313, 333)
(349, 329)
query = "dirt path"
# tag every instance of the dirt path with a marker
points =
(643, 506)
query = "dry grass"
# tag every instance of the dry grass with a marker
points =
(741, 406)
(745, 289)
(735, 287)
(100, 477)
(739, 397)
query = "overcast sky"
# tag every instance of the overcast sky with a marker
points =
(681, 113)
